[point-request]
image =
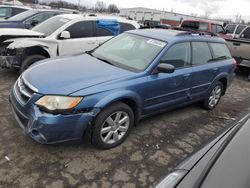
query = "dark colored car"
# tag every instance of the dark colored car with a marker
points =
(222, 163)
(29, 19)
(7, 11)
(132, 76)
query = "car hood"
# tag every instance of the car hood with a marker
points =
(66, 75)
(10, 33)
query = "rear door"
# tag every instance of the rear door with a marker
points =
(82, 38)
(204, 71)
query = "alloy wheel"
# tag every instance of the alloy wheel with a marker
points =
(115, 127)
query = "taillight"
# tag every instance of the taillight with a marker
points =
(234, 63)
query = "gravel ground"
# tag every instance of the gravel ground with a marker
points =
(155, 146)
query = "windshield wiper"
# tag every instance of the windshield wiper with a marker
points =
(101, 59)
(104, 60)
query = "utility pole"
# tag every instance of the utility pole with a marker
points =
(79, 4)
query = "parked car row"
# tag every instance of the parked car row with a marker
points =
(103, 85)
(64, 34)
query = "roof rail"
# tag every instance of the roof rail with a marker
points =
(194, 32)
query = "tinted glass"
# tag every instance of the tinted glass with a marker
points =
(129, 51)
(246, 34)
(81, 29)
(201, 53)
(24, 15)
(219, 29)
(202, 26)
(17, 11)
(100, 32)
(126, 27)
(51, 25)
(240, 29)
(230, 28)
(41, 17)
(220, 51)
(178, 55)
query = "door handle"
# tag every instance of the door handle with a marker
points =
(236, 44)
(186, 76)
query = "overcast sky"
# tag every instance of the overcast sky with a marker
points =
(217, 8)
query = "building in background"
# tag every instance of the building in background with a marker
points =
(174, 19)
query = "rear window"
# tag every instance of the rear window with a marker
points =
(220, 51)
(230, 28)
(202, 26)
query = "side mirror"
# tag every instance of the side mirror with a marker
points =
(34, 22)
(64, 35)
(165, 68)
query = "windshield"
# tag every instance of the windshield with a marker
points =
(129, 51)
(51, 25)
(22, 16)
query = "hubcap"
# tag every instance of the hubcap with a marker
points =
(115, 127)
(215, 96)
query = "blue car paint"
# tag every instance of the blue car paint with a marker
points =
(102, 84)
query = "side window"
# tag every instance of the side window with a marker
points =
(126, 27)
(40, 17)
(240, 29)
(219, 29)
(81, 29)
(178, 55)
(213, 28)
(201, 53)
(220, 51)
(5, 12)
(100, 32)
(230, 28)
(246, 34)
(17, 11)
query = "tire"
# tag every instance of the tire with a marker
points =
(106, 131)
(214, 96)
(29, 61)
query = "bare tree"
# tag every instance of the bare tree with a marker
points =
(112, 8)
(100, 6)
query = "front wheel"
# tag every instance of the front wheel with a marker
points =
(29, 61)
(112, 126)
(214, 96)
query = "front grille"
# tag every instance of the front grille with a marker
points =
(21, 119)
(22, 91)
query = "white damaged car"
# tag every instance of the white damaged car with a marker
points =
(61, 35)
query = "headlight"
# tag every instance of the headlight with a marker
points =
(172, 179)
(58, 103)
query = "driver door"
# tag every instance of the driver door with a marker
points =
(166, 90)
(81, 39)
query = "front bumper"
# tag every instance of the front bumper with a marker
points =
(48, 128)
(8, 61)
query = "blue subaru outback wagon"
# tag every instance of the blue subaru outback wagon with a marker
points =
(109, 89)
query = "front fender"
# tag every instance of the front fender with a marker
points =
(120, 95)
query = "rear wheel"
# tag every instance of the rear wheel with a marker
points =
(29, 61)
(214, 96)
(112, 126)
